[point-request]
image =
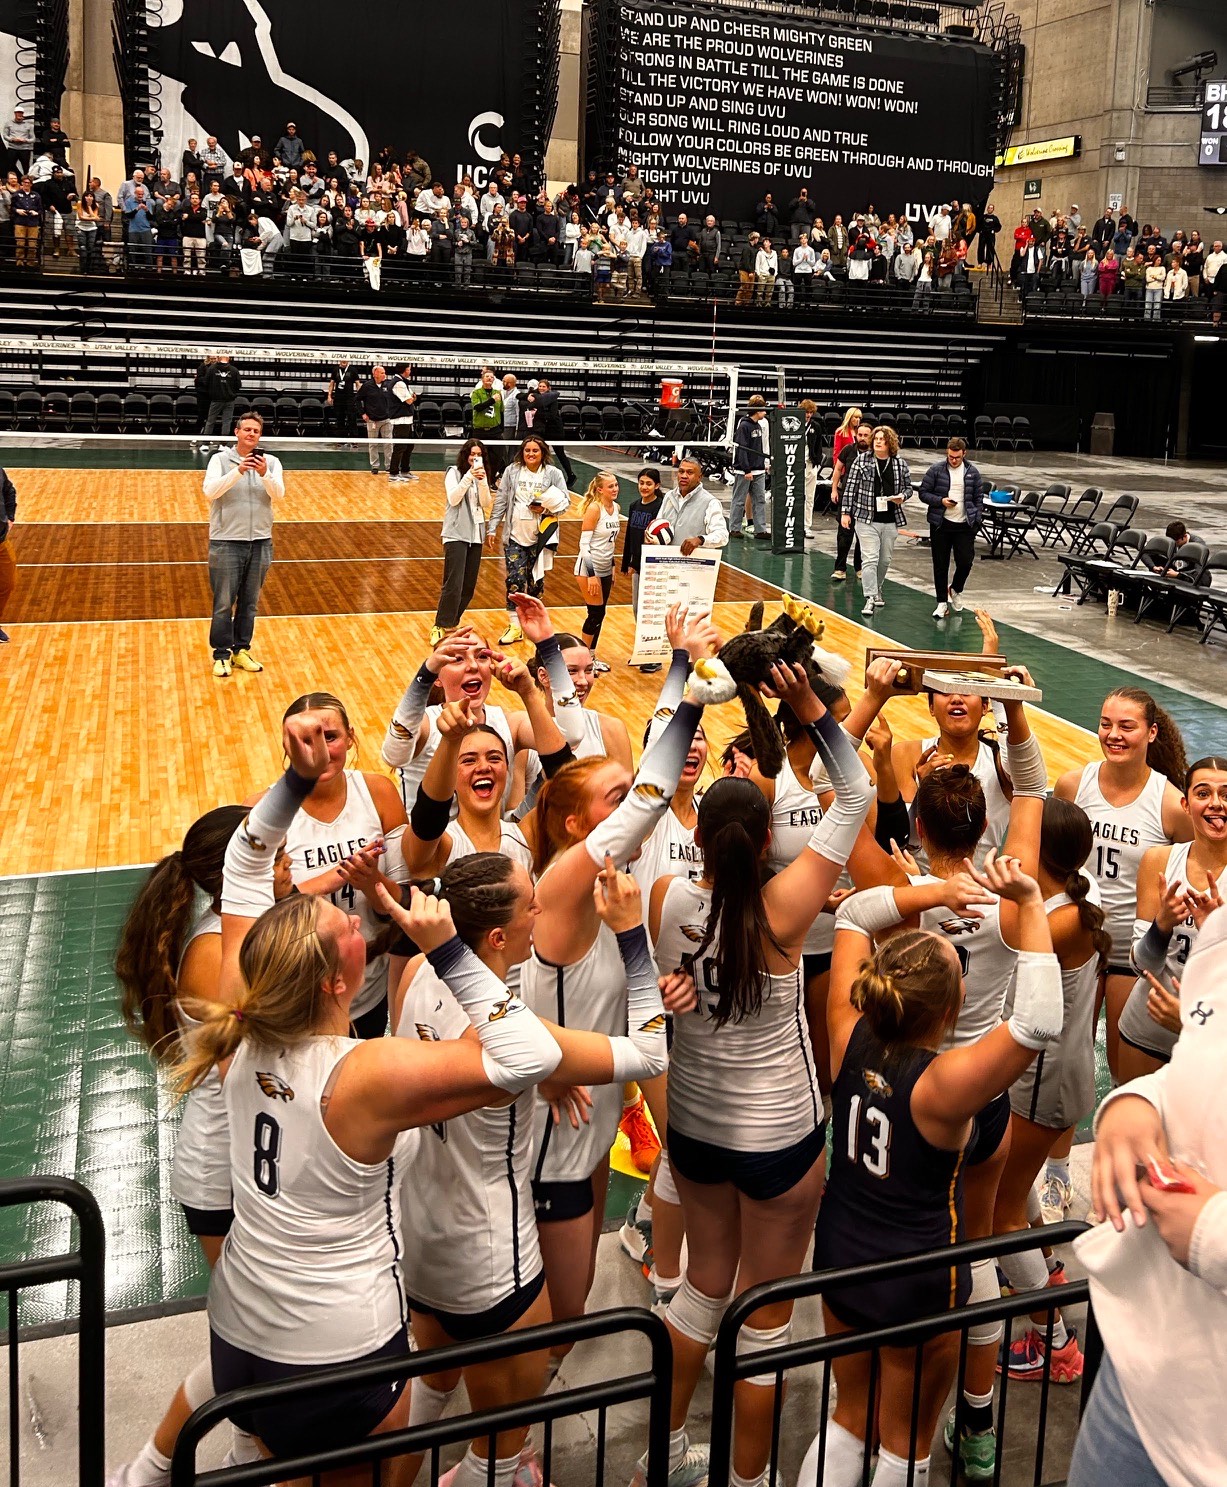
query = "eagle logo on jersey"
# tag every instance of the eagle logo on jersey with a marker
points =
(400, 730)
(693, 932)
(663, 714)
(647, 791)
(877, 1084)
(501, 1009)
(958, 926)
(426, 1033)
(274, 1086)
(654, 1024)
(253, 842)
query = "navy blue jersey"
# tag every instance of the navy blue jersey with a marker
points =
(889, 1192)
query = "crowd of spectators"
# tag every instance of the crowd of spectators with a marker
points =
(280, 209)
(1116, 256)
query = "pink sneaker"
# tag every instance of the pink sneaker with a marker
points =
(1027, 1359)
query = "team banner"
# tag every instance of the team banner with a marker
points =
(789, 517)
(666, 578)
(719, 106)
(449, 81)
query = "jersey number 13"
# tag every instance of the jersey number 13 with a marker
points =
(875, 1155)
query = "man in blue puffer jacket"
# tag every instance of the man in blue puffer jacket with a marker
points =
(953, 491)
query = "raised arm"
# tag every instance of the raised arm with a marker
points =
(406, 733)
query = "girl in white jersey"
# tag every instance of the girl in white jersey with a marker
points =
(343, 843)
(1172, 883)
(600, 520)
(320, 1123)
(574, 976)
(473, 1264)
(1133, 800)
(170, 951)
(1058, 1089)
(746, 1125)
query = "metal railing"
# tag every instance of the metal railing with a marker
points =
(86, 1266)
(730, 1369)
(652, 1386)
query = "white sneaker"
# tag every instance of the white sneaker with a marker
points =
(956, 600)
(879, 602)
(691, 1470)
(868, 609)
(941, 611)
(1056, 1195)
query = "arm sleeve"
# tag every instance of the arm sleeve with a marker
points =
(869, 912)
(247, 879)
(1039, 1009)
(517, 1051)
(1148, 951)
(643, 1053)
(583, 563)
(429, 818)
(836, 833)
(568, 713)
(893, 823)
(659, 770)
(1208, 1247)
(671, 694)
(1025, 765)
(398, 743)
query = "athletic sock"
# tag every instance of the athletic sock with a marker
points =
(1060, 1334)
(243, 1448)
(1058, 1169)
(474, 1470)
(843, 1463)
(426, 1404)
(759, 1479)
(1052, 1262)
(679, 1444)
(149, 1468)
(978, 1412)
(893, 1471)
(643, 1214)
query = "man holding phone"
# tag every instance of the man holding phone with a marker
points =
(241, 484)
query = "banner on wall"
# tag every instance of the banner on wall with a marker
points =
(719, 106)
(789, 517)
(667, 577)
(353, 75)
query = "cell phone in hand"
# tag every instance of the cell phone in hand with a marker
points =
(1166, 1182)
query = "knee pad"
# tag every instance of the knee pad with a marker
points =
(984, 1287)
(665, 1188)
(198, 1386)
(758, 1340)
(1026, 1270)
(1034, 1212)
(696, 1316)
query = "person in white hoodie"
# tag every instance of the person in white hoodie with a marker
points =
(1158, 1265)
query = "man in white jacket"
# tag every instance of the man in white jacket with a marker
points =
(1158, 1264)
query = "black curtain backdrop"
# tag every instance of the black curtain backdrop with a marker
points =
(353, 75)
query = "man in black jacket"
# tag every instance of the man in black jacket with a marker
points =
(801, 213)
(685, 239)
(340, 399)
(1102, 233)
(547, 421)
(990, 226)
(953, 490)
(223, 386)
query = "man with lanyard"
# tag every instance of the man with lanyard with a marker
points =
(340, 397)
(953, 490)
(404, 396)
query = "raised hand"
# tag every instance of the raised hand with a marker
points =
(302, 737)
(534, 618)
(991, 642)
(453, 719)
(881, 678)
(512, 673)
(1004, 876)
(963, 895)
(904, 859)
(1202, 905)
(617, 897)
(791, 685)
(451, 648)
(700, 637)
(427, 920)
(1173, 901)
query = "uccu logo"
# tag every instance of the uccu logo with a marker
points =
(483, 149)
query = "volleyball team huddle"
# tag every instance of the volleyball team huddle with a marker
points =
(404, 1011)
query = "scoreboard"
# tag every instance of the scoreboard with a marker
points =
(1213, 147)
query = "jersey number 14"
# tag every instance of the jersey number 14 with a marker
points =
(875, 1157)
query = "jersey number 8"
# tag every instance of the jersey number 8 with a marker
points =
(876, 1159)
(267, 1151)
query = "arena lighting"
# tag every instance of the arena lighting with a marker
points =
(1214, 340)
(1197, 64)
(1216, 211)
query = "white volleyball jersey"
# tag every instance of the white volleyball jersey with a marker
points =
(604, 543)
(997, 806)
(1136, 1024)
(310, 1271)
(1058, 1088)
(1123, 835)
(511, 844)
(794, 814)
(749, 1085)
(1184, 936)
(988, 965)
(409, 776)
(590, 994)
(670, 849)
(591, 746)
(467, 1204)
(200, 1172)
(316, 847)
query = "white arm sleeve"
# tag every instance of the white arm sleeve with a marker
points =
(659, 771)
(1039, 1009)
(643, 1053)
(837, 831)
(401, 738)
(568, 713)
(247, 879)
(869, 912)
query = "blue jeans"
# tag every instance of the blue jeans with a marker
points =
(1107, 1452)
(236, 571)
(753, 483)
(140, 249)
(1154, 304)
(877, 541)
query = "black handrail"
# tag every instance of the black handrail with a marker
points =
(653, 1385)
(730, 1368)
(87, 1266)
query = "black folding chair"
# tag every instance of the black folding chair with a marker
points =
(1188, 598)
(1188, 562)
(1120, 514)
(1081, 514)
(1050, 510)
(1101, 540)
(1101, 574)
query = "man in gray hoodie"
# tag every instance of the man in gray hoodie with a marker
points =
(241, 484)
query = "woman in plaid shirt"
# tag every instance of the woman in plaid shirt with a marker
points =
(871, 498)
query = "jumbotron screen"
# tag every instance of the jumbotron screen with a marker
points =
(719, 106)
